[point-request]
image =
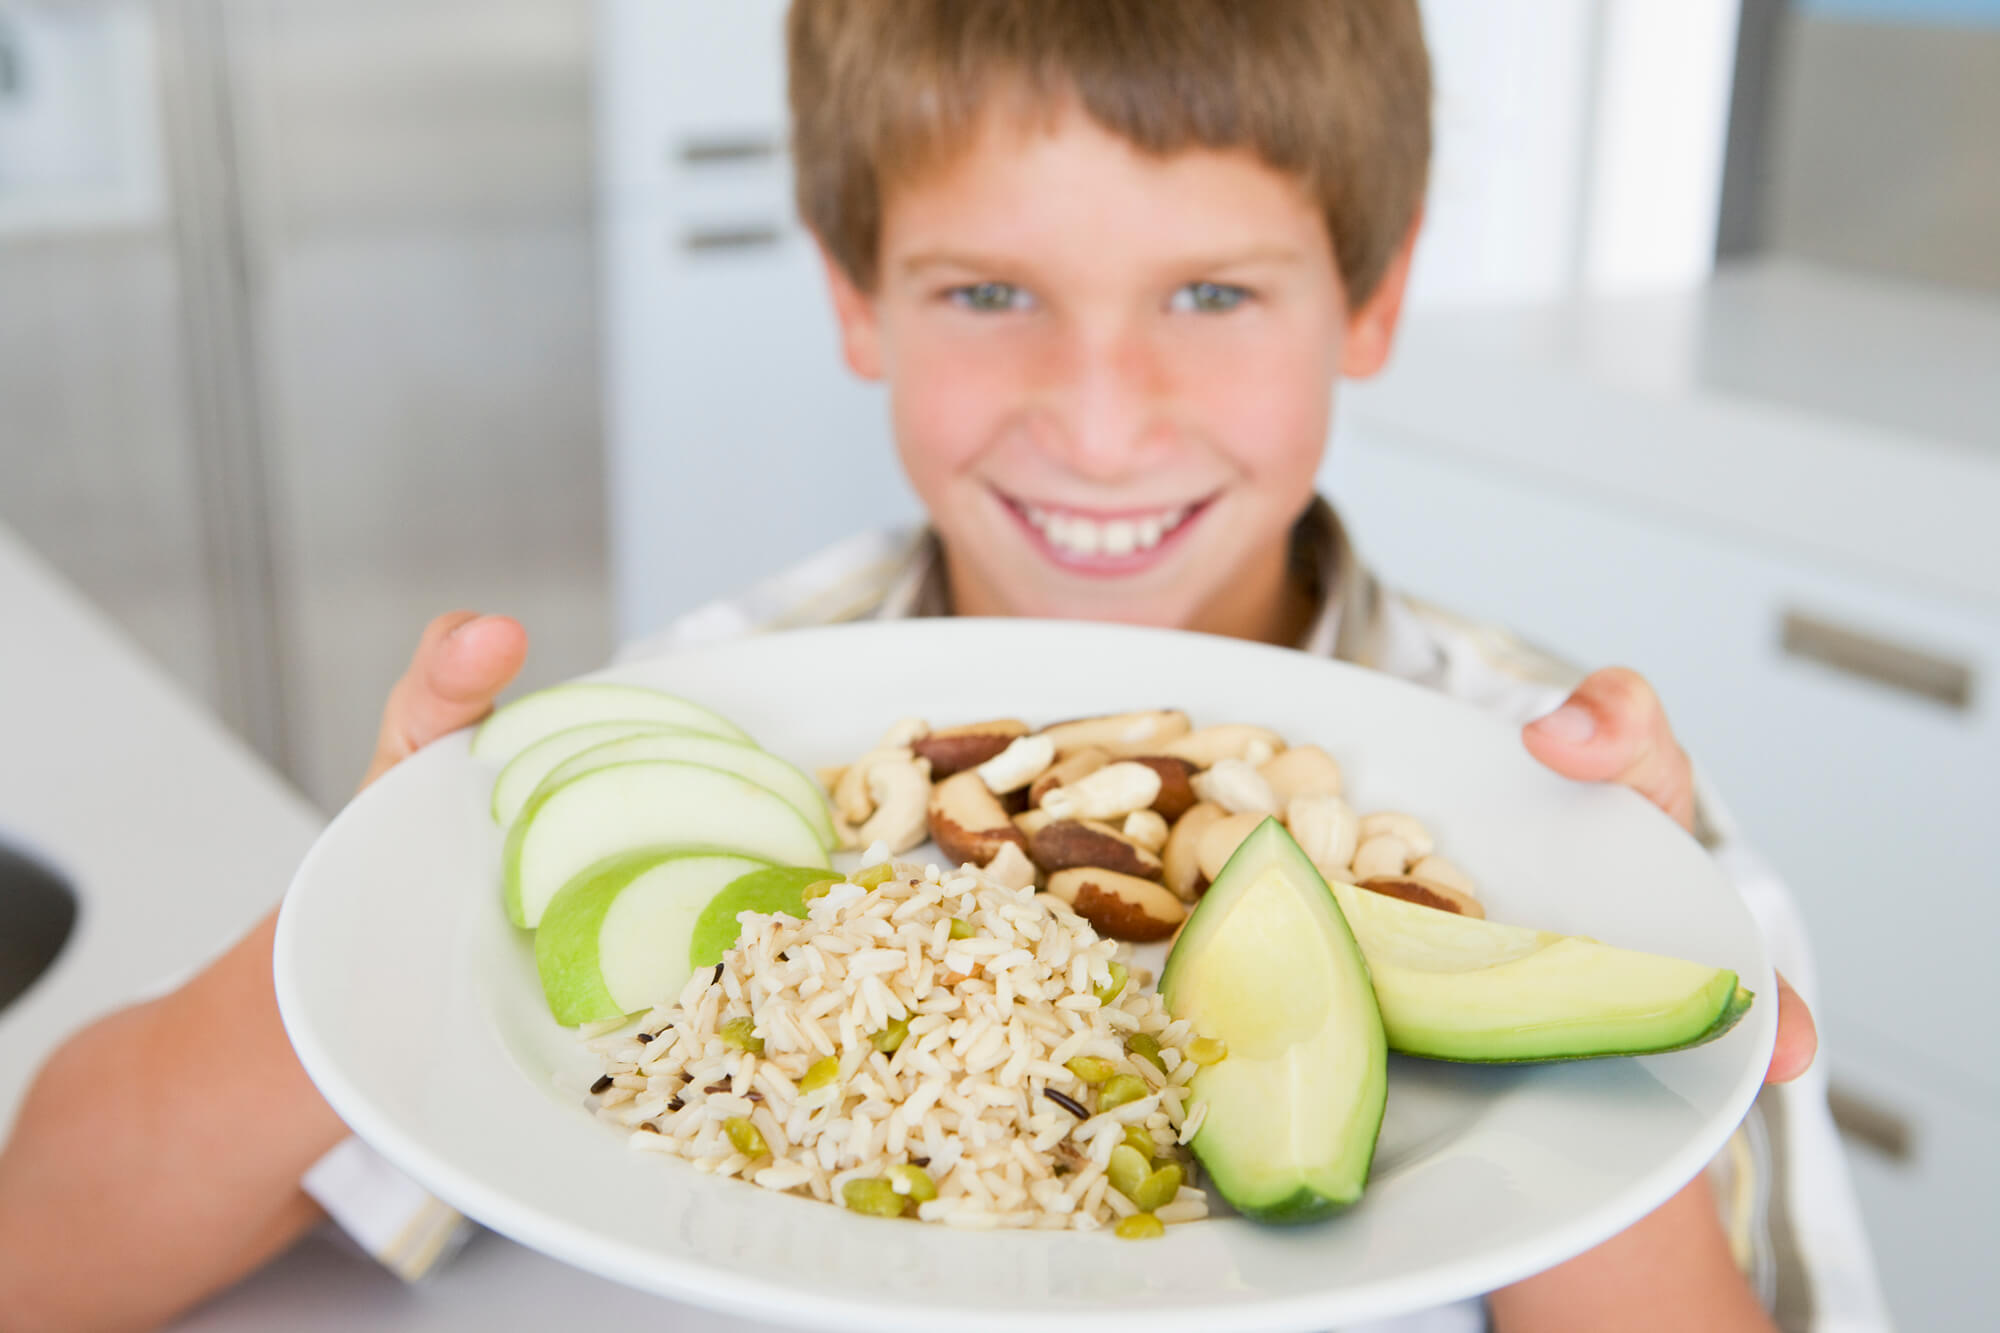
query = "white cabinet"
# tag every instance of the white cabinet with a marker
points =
(737, 442)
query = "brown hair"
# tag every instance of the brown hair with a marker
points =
(1333, 92)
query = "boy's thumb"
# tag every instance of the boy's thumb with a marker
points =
(461, 664)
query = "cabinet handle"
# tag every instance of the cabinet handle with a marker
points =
(725, 148)
(1870, 1124)
(746, 236)
(1878, 660)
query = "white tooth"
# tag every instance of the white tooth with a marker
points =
(1148, 533)
(1057, 529)
(1038, 517)
(1120, 535)
(1174, 518)
(1085, 536)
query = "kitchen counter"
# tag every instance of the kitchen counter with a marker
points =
(177, 838)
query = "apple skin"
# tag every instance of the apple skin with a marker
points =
(777, 889)
(570, 943)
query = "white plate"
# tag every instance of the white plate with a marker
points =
(415, 1008)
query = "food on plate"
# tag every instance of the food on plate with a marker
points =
(1458, 988)
(618, 938)
(773, 889)
(1143, 794)
(974, 1046)
(1124, 907)
(1268, 967)
(923, 1044)
(760, 766)
(659, 803)
(518, 725)
(951, 749)
(525, 771)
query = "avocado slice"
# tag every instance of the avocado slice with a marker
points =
(1457, 988)
(1268, 965)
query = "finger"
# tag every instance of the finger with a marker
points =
(1612, 729)
(461, 664)
(1798, 1037)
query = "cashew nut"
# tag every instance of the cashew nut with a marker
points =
(903, 734)
(1231, 740)
(1440, 871)
(853, 797)
(1382, 855)
(1010, 866)
(1303, 770)
(1111, 792)
(1069, 768)
(1182, 855)
(1024, 760)
(1221, 839)
(1397, 824)
(1148, 828)
(901, 792)
(1328, 831)
(1237, 787)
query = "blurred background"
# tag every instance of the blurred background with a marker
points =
(319, 317)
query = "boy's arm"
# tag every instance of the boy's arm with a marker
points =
(1670, 1271)
(159, 1153)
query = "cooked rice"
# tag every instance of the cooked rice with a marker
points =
(992, 1021)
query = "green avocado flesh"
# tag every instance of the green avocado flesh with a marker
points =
(1458, 988)
(779, 889)
(615, 939)
(1267, 965)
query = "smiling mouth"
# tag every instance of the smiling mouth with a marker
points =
(1101, 542)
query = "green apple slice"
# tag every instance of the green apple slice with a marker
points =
(525, 771)
(615, 939)
(1267, 965)
(1458, 988)
(521, 723)
(760, 766)
(777, 889)
(628, 807)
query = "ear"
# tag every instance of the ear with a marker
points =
(860, 327)
(1371, 330)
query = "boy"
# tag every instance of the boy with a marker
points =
(1110, 257)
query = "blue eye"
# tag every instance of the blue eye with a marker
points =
(1208, 298)
(991, 297)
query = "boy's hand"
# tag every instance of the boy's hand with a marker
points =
(1612, 729)
(462, 662)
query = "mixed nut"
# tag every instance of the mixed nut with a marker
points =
(1127, 817)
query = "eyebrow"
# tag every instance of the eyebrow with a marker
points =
(1261, 254)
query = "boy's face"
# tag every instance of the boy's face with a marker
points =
(1111, 374)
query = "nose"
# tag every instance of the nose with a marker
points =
(1107, 413)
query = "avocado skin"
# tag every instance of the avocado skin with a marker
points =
(1731, 1013)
